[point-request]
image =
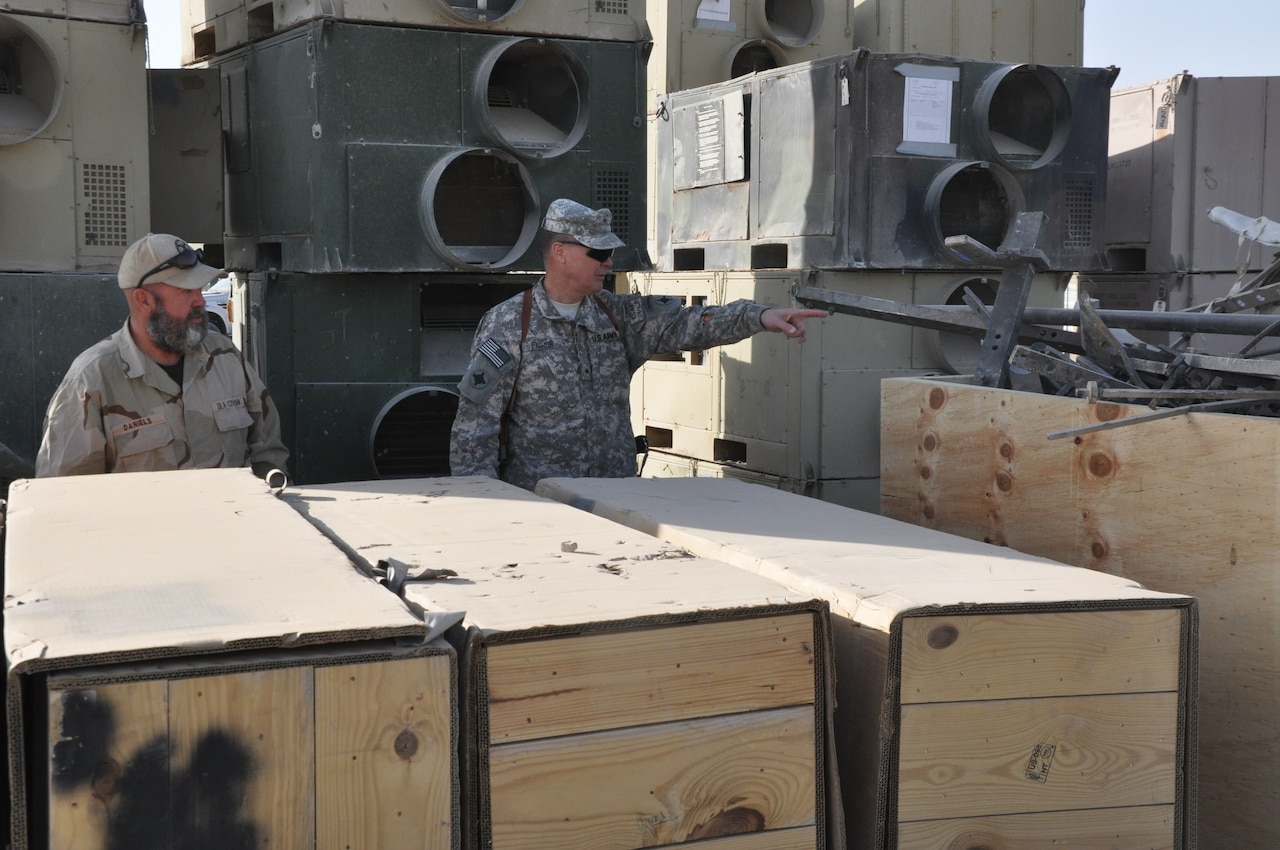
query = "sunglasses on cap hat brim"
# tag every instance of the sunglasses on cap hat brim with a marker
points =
(187, 258)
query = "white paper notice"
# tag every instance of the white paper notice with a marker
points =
(713, 10)
(926, 113)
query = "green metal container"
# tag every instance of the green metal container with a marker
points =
(365, 148)
(46, 320)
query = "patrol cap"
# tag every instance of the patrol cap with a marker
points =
(592, 228)
(164, 258)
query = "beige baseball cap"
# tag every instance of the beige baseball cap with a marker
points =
(164, 258)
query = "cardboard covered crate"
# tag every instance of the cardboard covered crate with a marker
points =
(618, 692)
(1186, 504)
(192, 664)
(985, 699)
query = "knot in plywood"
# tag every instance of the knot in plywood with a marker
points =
(1105, 412)
(406, 745)
(1098, 463)
(735, 821)
(943, 636)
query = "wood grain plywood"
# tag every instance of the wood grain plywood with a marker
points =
(248, 743)
(1186, 505)
(1046, 653)
(384, 754)
(570, 626)
(1147, 827)
(919, 615)
(351, 746)
(609, 680)
(656, 785)
(1054, 754)
(107, 756)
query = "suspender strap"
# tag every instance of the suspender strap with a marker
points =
(526, 308)
(605, 307)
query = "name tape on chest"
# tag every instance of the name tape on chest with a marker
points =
(139, 422)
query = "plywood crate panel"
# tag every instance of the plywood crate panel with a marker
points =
(619, 692)
(985, 699)
(190, 569)
(325, 748)
(1186, 504)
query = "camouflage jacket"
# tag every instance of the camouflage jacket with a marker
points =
(118, 411)
(572, 410)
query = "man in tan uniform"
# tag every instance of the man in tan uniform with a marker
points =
(162, 392)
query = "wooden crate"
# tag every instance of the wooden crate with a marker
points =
(985, 699)
(1185, 504)
(157, 620)
(326, 748)
(618, 693)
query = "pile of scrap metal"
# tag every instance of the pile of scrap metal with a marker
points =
(1093, 353)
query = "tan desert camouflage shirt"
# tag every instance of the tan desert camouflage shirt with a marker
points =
(118, 411)
(572, 410)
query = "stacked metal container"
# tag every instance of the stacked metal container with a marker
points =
(1179, 147)
(387, 167)
(849, 171)
(74, 190)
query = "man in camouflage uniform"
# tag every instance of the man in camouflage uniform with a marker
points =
(162, 392)
(565, 371)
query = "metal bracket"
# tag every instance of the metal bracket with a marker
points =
(1021, 258)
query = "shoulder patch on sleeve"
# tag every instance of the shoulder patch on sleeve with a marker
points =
(636, 312)
(494, 353)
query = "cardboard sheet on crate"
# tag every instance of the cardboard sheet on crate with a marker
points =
(184, 567)
(619, 691)
(983, 696)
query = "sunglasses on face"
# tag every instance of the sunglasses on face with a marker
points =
(186, 258)
(600, 255)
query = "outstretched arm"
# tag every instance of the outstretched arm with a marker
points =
(790, 320)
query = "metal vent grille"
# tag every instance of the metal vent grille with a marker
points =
(612, 7)
(106, 208)
(1079, 202)
(613, 191)
(411, 438)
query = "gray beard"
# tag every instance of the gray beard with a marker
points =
(176, 336)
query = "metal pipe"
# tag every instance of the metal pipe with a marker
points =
(961, 319)
(1178, 322)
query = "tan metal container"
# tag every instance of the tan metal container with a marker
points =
(74, 181)
(1046, 32)
(1178, 148)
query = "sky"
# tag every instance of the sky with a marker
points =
(1148, 39)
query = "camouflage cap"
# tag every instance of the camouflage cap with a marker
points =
(592, 228)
